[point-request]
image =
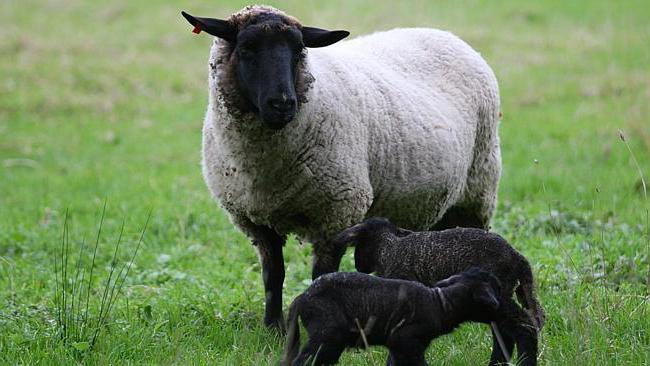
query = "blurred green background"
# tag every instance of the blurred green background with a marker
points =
(105, 101)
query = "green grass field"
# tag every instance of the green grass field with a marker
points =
(105, 102)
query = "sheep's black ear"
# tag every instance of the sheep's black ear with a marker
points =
(316, 37)
(487, 296)
(216, 27)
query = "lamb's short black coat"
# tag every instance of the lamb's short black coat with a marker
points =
(402, 315)
(430, 256)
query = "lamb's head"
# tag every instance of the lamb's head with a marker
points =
(474, 293)
(368, 238)
(265, 49)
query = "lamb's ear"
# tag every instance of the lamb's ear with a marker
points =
(487, 296)
(403, 232)
(216, 27)
(348, 236)
(316, 37)
(447, 281)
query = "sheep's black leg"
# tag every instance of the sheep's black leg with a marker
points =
(327, 258)
(269, 246)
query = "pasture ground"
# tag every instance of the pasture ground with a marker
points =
(105, 101)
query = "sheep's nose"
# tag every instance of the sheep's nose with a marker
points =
(282, 104)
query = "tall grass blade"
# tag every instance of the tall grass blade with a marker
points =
(92, 264)
(107, 288)
(64, 277)
(121, 278)
(645, 197)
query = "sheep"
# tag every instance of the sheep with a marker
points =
(427, 257)
(401, 124)
(403, 315)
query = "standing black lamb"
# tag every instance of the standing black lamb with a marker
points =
(339, 308)
(430, 256)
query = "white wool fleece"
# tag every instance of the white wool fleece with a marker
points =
(400, 124)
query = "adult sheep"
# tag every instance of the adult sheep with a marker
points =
(400, 124)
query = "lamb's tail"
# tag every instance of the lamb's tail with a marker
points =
(526, 295)
(292, 344)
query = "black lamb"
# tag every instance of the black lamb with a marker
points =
(428, 257)
(341, 310)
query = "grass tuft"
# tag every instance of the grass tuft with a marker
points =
(81, 315)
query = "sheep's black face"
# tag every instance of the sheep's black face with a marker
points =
(267, 58)
(268, 47)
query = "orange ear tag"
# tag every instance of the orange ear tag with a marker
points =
(196, 29)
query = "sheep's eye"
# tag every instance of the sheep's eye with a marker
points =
(246, 52)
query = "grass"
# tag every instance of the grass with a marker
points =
(79, 323)
(105, 101)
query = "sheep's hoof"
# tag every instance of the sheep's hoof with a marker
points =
(276, 326)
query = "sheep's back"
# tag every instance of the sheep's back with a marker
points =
(418, 94)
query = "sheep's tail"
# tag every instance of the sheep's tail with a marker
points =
(526, 295)
(292, 344)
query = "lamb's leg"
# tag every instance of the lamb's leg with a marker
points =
(389, 360)
(518, 327)
(406, 348)
(527, 349)
(323, 350)
(269, 246)
(399, 358)
(306, 355)
(497, 357)
(326, 258)
(525, 337)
